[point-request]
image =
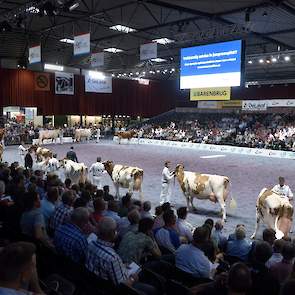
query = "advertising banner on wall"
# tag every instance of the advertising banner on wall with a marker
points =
(148, 51)
(82, 44)
(208, 105)
(42, 81)
(255, 105)
(230, 104)
(220, 93)
(98, 84)
(35, 54)
(64, 83)
(274, 103)
(97, 59)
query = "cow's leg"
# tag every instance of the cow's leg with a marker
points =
(140, 194)
(256, 225)
(191, 199)
(223, 208)
(117, 191)
(131, 187)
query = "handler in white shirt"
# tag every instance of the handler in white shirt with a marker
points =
(282, 189)
(53, 165)
(22, 151)
(97, 135)
(166, 190)
(96, 171)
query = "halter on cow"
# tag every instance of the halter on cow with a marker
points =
(275, 211)
(204, 187)
(125, 177)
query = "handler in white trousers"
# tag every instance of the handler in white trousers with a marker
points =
(22, 151)
(96, 171)
(98, 135)
(166, 190)
(53, 165)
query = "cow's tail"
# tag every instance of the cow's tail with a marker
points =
(227, 192)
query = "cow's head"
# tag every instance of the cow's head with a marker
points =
(33, 148)
(283, 221)
(63, 162)
(109, 166)
(179, 169)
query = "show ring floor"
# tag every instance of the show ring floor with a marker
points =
(248, 174)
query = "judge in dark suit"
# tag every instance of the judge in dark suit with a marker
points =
(71, 155)
(28, 160)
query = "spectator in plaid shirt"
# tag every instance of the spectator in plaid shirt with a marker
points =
(69, 239)
(62, 212)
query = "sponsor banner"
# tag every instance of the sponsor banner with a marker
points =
(35, 54)
(148, 51)
(230, 104)
(208, 105)
(97, 59)
(98, 85)
(216, 148)
(220, 93)
(64, 83)
(42, 81)
(281, 103)
(255, 105)
(82, 44)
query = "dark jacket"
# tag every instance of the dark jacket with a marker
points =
(28, 161)
(71, 155)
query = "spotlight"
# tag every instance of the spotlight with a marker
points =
(274, 59)
(250, 62)
(268, 61)
(261, 61)
(287, 58)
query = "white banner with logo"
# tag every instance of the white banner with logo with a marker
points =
(214, 148)
(64, 83)
(148, 51)
(97, 59)
(35, 54)
(82, 44)
(208, 104)
(274, 103)
(98, 85)
(255, 105)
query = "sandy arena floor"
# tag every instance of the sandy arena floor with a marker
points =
(248, 174)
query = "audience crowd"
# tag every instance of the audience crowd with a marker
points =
(272, 131)
(123, 245)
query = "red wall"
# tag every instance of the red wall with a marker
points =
(128, 97)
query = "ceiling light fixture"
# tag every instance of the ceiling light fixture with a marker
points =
(163, 41)
(274, 59)
(33, 9)
(250, 62)
(158, 59)
(53, 67)
(287, 58)
(67, 40)
(122, 28)
(113, 50)
(261, 61)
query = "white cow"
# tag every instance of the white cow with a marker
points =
(203, 186)
(82, 133)
(275, 211)
(50, 134)
(77, 172)
(125, 177)
(41, 165)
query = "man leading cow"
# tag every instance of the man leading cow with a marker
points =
(96, 171)
(167, 177)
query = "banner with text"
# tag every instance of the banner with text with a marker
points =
(98, 85)
(230, 104)
(64, 83)
(82, 44)
(148, 51)
(255, 105)
(208, 105)
(220, 93)
(97, 59)
(35, 54)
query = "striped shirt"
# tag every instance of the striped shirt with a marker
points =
(60, 216)
(71, 242)
(102, 260)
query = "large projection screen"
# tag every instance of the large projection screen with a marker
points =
(213, 65)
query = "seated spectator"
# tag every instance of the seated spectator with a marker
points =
(166, 236)
(146, 208)
(282, 270)
(240, 247)
(269, 236)
(99, 207)
(159, 221)
(102, 259)
(62, 212)
(233, 235)
(68, 184)
(106, 194)
(48, 204)
(69, 238)
(183, 227)
(191, 259)
(18, 269)
(136, 245)
(263, 282)
(40, 189)
(277, 253)
(112, 211)
(218, 238)
(32, 221)
(125, 205)
(132, 224)
(4, 199)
